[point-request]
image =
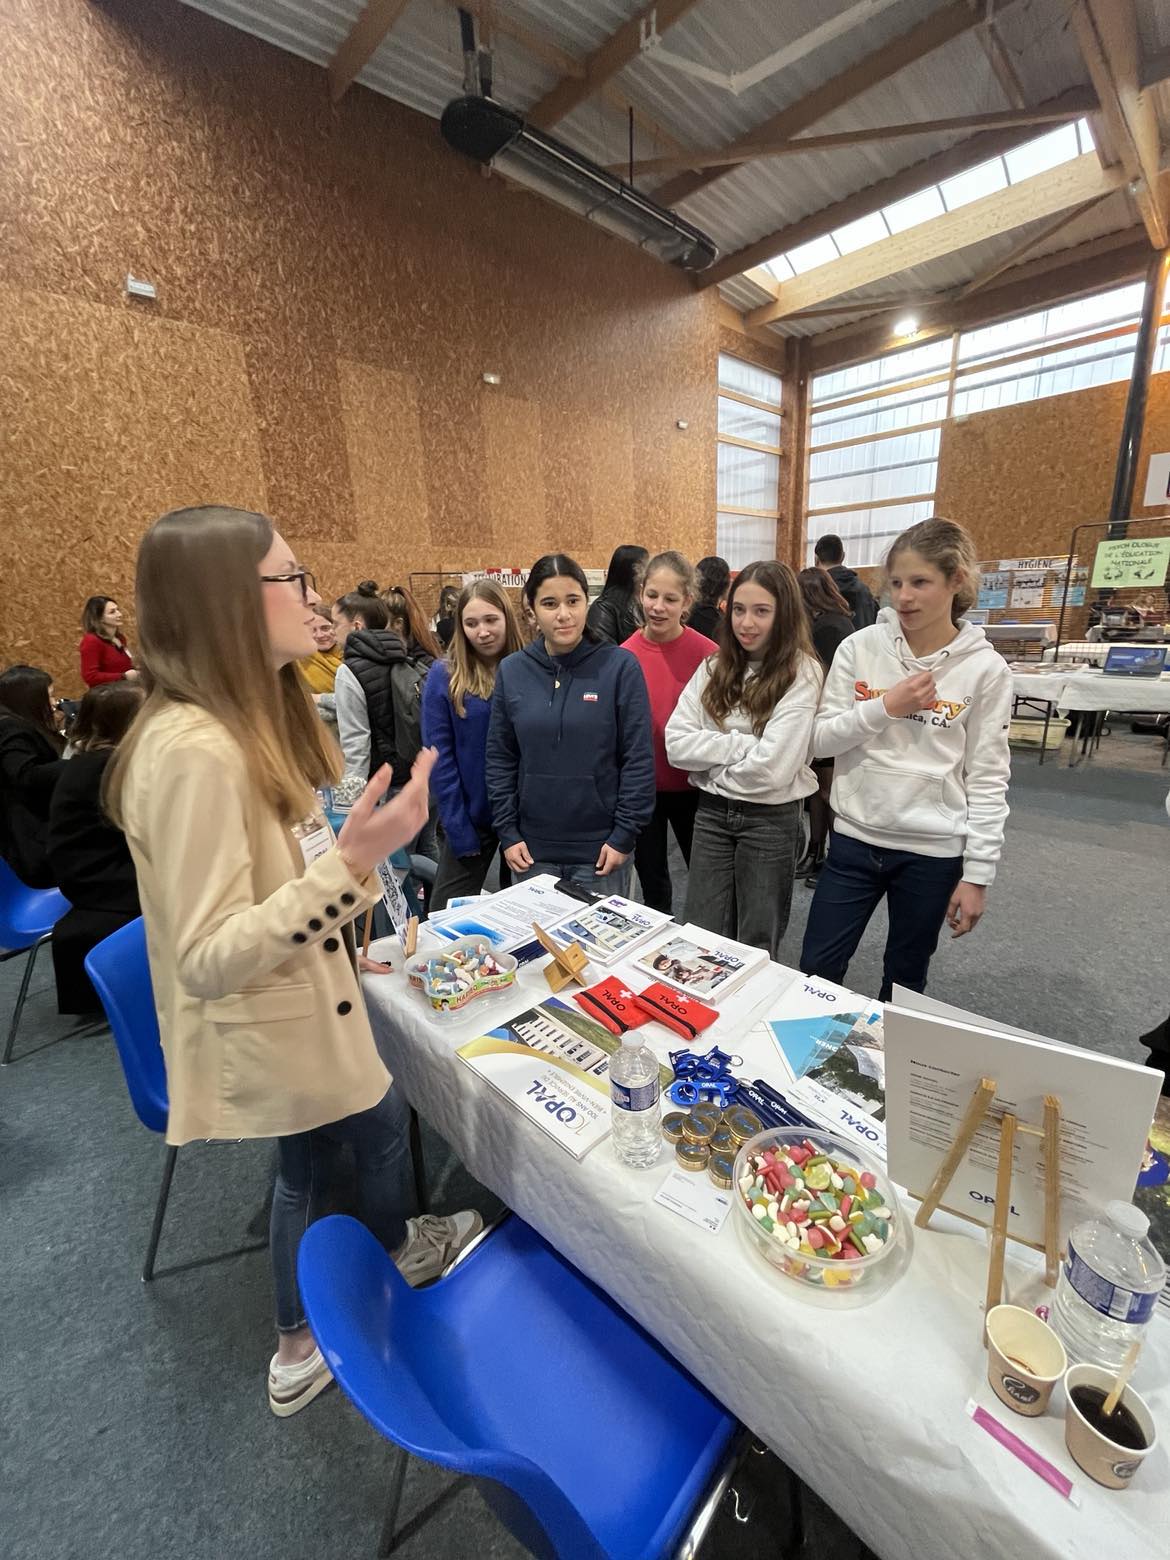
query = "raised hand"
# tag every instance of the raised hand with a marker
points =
(917, 692)
(371, 833)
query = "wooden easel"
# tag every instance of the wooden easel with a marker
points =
(568, 963)
(410, 945)
(978, 1108)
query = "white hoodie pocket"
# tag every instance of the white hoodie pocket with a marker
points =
(897, 801)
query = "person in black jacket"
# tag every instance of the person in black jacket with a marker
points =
(614, 616)
(829, 553)
(712, 577)
(30, 767)
(831, 622)
(88, 853)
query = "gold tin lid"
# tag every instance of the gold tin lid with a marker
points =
(742, 1124)
(672, 1126)
(722, 1142)
(699, 1126)
(721, 1169)
(692, 1156)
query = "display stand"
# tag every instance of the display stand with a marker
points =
(568, 963)
(409, 940)
(979, 1109)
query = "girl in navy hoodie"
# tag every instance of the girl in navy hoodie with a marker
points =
(570, 765)
(456, 707)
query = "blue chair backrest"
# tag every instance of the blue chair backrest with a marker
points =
(120, 972)
(26, 914)
(364, 1315)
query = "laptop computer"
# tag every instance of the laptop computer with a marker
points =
(1135, 660)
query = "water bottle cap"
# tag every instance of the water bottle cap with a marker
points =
(1130, 1220)
(632, 1038)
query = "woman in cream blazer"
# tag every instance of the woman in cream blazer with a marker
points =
(248, 900)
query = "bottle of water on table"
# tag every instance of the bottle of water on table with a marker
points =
(1108, 1287)
(634, 1090)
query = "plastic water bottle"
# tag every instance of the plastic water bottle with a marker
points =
(1108, 1287)
(634, 1089)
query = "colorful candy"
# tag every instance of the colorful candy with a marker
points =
(813, 1204)
(453, 977)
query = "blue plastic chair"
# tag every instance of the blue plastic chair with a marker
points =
(585, 1437)
(120, 972)
(27, 918)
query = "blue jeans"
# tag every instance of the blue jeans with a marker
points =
(617, 882)
(306, 1162)
(852, 883)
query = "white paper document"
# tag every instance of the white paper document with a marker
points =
(696, 1198)
(934, 1065)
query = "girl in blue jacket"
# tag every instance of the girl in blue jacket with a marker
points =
(570, 764)
(456, 706)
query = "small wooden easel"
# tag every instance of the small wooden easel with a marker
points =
(568, 963)
(979, 1107)
(410, 942)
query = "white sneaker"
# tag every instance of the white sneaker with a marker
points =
(432, 1243)
(293, 1387)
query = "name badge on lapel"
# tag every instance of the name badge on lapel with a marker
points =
(314, 838)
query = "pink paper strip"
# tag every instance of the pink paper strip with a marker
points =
(1047, 1471)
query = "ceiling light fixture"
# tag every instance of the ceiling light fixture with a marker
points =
(907, 325)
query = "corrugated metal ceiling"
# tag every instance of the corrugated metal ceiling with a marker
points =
(420, 64)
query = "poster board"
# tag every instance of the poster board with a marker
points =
(933, 1066)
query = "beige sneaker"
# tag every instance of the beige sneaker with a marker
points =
(293, 1387)
(432, 1243)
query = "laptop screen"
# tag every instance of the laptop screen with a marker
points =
(1136, 660)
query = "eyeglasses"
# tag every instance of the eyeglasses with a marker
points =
(307, 580)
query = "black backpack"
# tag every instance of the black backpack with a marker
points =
(406, 681)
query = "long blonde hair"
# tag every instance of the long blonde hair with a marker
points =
(468, 672)
(201, 629)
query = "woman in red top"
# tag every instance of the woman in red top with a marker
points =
(668, 653)
(105, 656)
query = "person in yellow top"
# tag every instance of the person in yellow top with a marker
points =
(320, 668)
(248, 899)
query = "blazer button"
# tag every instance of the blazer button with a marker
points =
(344, 1007)
(315, 925)
(299, 937)
(348, 899)
(332, 912)
(331, 945)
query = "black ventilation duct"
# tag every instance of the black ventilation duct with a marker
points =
(489, 133)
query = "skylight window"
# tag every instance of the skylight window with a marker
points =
(1047, 151)
(779, 268)
(984, 179)
(818, 251)
(856, 235)
(914, 209)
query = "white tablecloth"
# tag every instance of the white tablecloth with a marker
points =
(866, 1405)
(1090, 689)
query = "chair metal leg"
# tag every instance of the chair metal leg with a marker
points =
(397, 1480)
(164, 1192)
(420, 1166)
(21, 995)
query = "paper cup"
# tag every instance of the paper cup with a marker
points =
(1102, 1459)
(1025, 1359)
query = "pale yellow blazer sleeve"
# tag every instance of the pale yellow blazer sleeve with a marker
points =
(223, 940)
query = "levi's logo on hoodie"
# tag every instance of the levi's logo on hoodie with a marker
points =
(588, 698)
(943, 712)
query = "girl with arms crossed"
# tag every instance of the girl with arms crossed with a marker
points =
(248, 899)
(570, 766)
(742, 730)
(456, 708)
(916, 713)
(668, 653)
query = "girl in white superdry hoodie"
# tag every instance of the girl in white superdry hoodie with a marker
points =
(916, 712)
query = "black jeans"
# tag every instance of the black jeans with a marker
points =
(675, 809)
(743, 860)
(459, 875)
(853, 881)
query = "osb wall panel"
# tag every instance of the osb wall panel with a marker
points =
(333, 283)
(105, 418)
(1021, 477)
